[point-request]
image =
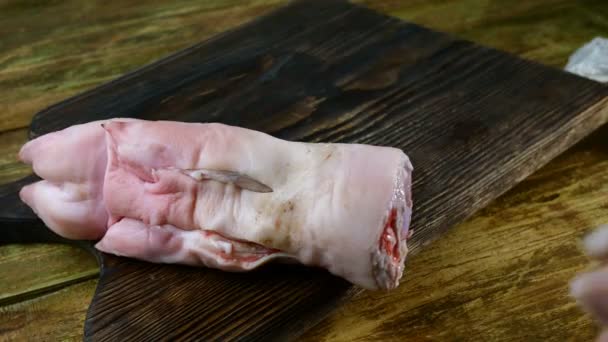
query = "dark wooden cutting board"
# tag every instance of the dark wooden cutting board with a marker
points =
(475, 121)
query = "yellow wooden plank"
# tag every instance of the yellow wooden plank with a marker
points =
(28, 271)
(58, 316)
(57, 49)
(10, 143)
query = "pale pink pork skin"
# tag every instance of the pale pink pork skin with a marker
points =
(135, 186)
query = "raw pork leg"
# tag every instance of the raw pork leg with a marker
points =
(225, 197)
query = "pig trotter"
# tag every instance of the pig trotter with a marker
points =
(174, 192)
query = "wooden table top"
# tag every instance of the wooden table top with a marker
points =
(502, 275)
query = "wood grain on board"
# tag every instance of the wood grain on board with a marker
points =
(342, 329)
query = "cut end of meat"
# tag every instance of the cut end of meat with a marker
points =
(389, 259)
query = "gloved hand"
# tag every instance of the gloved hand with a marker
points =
(591, 288)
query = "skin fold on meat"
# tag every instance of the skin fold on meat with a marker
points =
(208, 194)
